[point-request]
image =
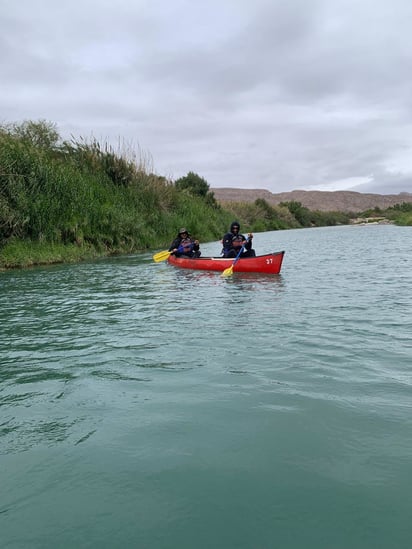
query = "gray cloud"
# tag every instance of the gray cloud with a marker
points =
(270, 94)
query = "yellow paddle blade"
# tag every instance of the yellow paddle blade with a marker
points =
(161, 256)
(228, 271)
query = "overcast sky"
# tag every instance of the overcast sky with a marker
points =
(270, 94)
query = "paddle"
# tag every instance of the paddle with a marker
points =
(229, 270)
(162, 256)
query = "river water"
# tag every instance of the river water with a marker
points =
(150, 407)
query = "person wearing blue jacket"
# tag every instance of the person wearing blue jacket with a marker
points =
(234, 240)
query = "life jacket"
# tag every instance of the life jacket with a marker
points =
(237, 242)
(187, 245)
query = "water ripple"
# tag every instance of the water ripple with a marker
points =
(163, 394)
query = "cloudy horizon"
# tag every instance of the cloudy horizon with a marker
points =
(311, 95)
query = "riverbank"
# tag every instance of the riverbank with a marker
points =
(62, 202)
(24, 254)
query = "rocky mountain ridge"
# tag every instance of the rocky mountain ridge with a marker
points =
(326, 201)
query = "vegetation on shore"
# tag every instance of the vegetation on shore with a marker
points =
(66, 201)
(400, 214)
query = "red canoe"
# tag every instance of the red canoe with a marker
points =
(268, 264)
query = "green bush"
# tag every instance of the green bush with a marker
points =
(64, 200)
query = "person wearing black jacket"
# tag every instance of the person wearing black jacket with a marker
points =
(234, 240)
(184, 245)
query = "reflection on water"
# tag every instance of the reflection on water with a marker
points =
(256, 281)
(186, 279)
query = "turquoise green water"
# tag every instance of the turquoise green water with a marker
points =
(145, 406)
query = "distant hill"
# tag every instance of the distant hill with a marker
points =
(326, 201)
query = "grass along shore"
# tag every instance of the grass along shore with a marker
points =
(66, 201)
